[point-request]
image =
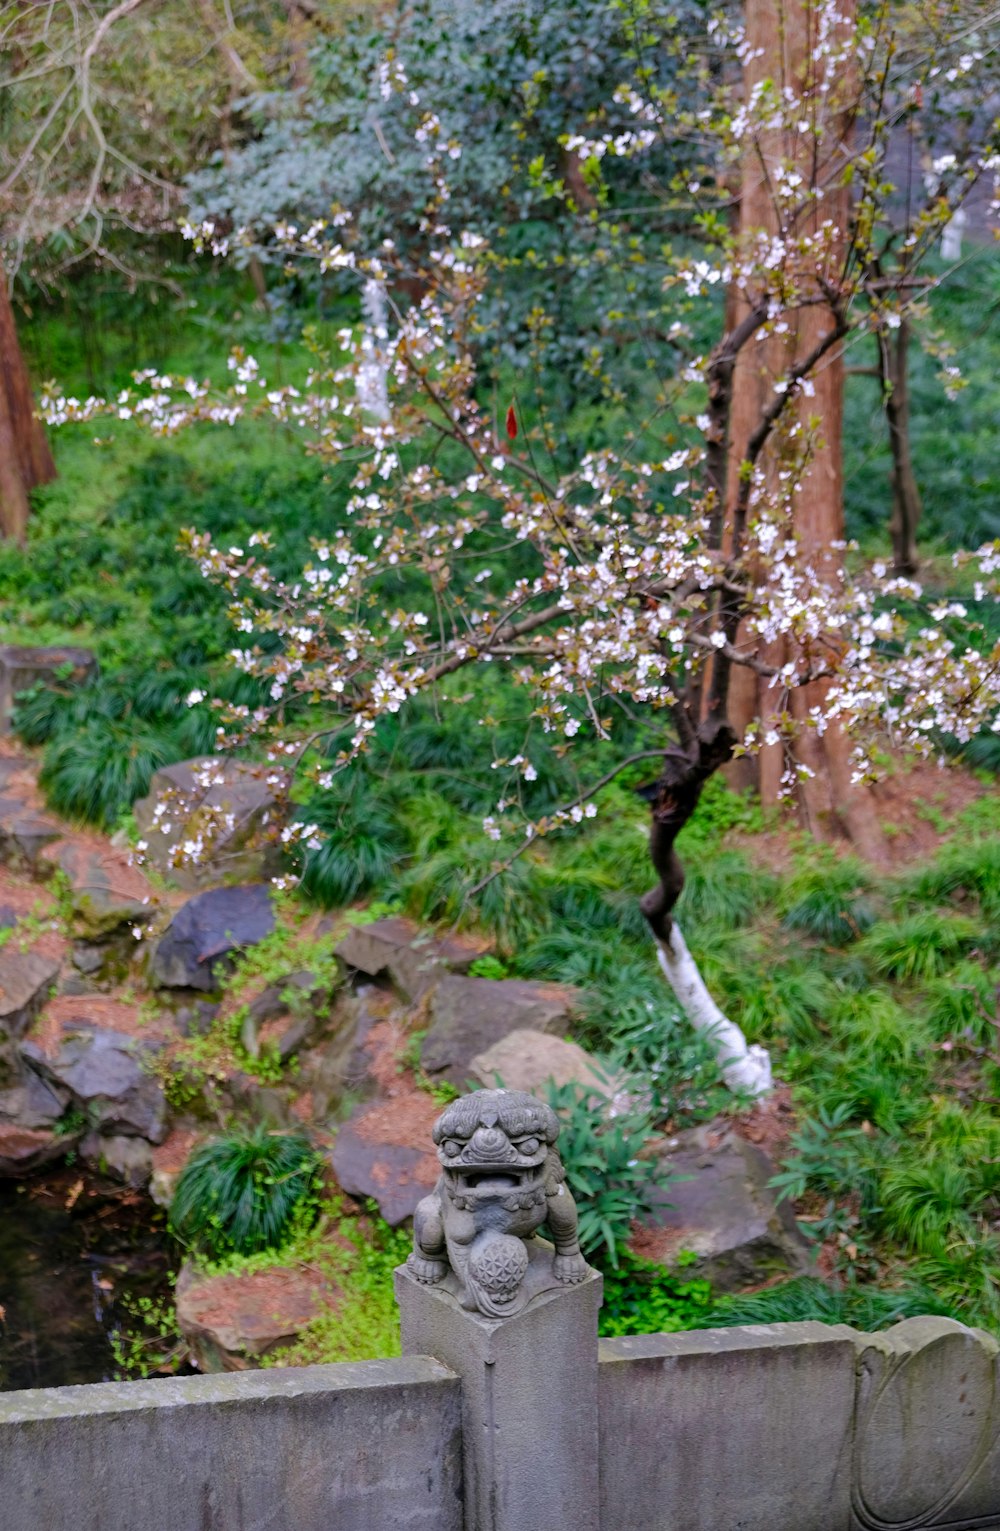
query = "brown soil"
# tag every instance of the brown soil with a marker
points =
(385, 1046)
(404, 1115)
(102, 1011)
(403, 1122)
(908, 803)
(26, 900)
(170, 1156)
(24, 897)
(770, 1123)
(303, 1107)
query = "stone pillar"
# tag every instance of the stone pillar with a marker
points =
(529, 1401)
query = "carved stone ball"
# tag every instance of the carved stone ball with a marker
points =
(498, 1267)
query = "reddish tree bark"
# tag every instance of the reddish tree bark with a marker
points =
(25, 457)
(780, 46)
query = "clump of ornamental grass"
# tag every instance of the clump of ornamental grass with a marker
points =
(829, 898)
(245, 1192)
(805, 1298)
(962, 869)
(921, 945)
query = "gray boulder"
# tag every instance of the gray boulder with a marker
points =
(722, 1209)
(412, 957)
(386, 1152)
(529, 1060)
(238, 789)
(25, 981)
(193, 953)
(470, 1015)
(107, 1073)
(33, 1102)
(127, 1159)
(24, 834)
(22, 667)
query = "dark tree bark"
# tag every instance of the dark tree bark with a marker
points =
(894, 348)
(673, 799)
(25, 457)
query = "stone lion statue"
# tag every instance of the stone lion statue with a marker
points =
(500, 1180)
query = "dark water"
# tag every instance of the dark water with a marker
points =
(76, 1256)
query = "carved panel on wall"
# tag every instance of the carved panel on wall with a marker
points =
(927, 1441)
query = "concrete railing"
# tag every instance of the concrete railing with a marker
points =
(783, 1427)
(507, 1413)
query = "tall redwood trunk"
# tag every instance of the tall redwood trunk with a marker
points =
(25, 457)
(780, 48)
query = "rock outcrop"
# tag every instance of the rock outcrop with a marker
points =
(236, 792)
(529, 1060)
(470, 1015)
(722, 1209)
(231, 1322)
(413, 958)
(194, 951)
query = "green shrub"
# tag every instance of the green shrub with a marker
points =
(964, 1003)
(358, 1261)
(970, 867)
(362, 845)
(613, 1186)
(488, 967)
(245, 1193)
(876, 1028)
(723, 889)
(924, 1202)
(641, 1297)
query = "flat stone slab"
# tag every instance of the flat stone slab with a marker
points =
(210, 786)
(231, 1321)
(192, 952)
(528, 1060)
(22, 667)
(724, 1212)
(470, 1015)
(25, 981)
(385, 1151)
(414, 958)
(23, 1150)
(107, 892)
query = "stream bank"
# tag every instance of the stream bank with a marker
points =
(77, 1255)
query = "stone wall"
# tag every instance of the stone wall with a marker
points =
(784, 1427)
(363, 1446)
(801, 1427)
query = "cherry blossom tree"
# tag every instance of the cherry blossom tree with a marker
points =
(673, 584)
